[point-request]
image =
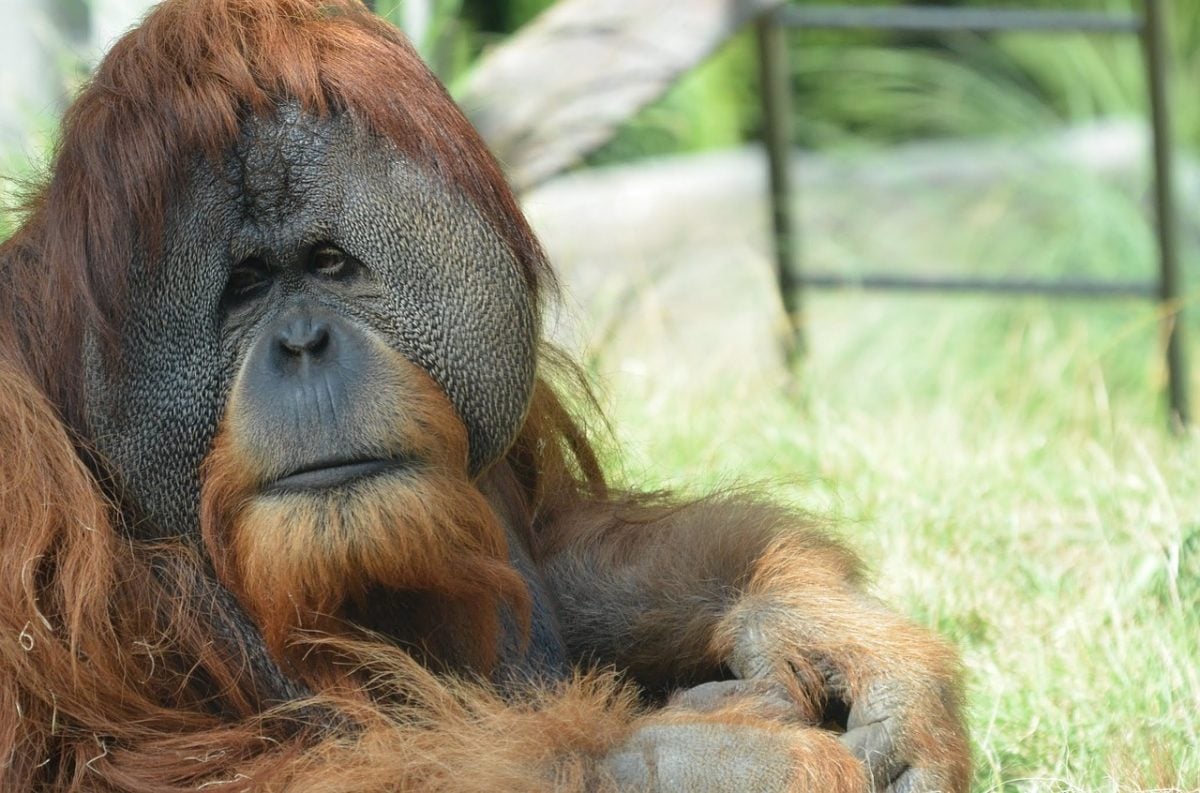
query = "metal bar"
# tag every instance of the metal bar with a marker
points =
(919, 18)
(1155, 45)
(777, 130)
(1081, 288)
(1150, 26)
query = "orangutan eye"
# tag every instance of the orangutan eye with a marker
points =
(248, 280)
(329, 261)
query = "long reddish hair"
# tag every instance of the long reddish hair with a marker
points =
(109, 675)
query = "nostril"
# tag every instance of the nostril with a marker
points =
(305, 336)
(320, 340)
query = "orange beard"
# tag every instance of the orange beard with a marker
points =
(421, 545)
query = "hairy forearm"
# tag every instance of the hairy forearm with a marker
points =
(644, 587)
(730, 588)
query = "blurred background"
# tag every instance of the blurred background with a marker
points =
(1004, 463)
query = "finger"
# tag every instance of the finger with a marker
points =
(763, 698)
(703, 758)
(874, 745)
(751, 656)
(916, 780)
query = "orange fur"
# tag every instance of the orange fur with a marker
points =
(801, 611)
(138, 714)
(298, 560)
(112, 674)
(720, 576)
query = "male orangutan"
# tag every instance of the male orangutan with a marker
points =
(289, 503)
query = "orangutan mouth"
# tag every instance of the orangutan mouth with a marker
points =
(334, 473)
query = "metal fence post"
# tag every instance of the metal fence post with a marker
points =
(1155, 45)
(777, 132)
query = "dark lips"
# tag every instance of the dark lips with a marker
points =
(331, 474)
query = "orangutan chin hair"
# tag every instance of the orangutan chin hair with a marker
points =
(310, 561)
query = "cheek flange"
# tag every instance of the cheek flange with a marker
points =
(455, 298)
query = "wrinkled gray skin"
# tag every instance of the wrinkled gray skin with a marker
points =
(443, 290)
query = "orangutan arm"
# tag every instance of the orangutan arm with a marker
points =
(677, 596)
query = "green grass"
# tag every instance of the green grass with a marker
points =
(1005, 469)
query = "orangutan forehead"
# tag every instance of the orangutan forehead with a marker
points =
(283, 165)
(279, 161)
(293, 179)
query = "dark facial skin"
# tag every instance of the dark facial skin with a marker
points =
(316, 241)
